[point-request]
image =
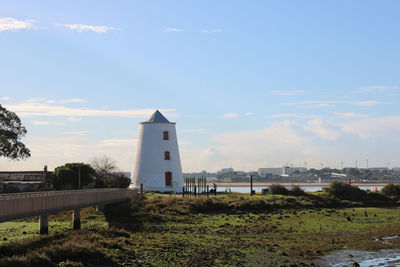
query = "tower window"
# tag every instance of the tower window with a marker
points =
(165, 135)
(166, 155)
(168, 179)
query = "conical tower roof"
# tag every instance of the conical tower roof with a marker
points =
(157, 117)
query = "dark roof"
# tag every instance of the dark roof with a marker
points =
(23, 176)
(157, 117)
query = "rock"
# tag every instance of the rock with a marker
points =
(355, 264)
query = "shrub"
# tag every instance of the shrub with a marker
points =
(278, 189)
(391, 190)
(11, 189)
(297, 191)
(345, 191)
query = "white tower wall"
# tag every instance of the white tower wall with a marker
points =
(151, 167)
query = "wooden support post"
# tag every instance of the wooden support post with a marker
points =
(195, 193)
(141, 189)
(183, 191)
(208, 191)
(251, 185)
(44, 224)
(76, 217)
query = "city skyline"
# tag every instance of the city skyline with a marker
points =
(250, 85)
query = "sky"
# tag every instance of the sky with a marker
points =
(250, 84)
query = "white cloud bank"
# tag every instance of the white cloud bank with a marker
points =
(173, 30)
(314, 141)
(82, 28)
(349, 115)
(13, 24)
(56, 151)
(331, 103)
(211, 31)
(287, 92)
(228, 116)
(377, 89)
(35, 108)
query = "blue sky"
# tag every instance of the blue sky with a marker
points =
(250, 83)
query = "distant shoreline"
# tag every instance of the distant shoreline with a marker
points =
(290, 184)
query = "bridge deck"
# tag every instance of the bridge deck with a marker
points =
(22, 205)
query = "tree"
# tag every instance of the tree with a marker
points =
(11, 132)
(353, 172)
(67, 176)
(107, 174)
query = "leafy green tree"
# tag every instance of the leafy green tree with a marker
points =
(67, 176)
(11, 133)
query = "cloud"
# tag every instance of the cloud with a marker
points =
(56, 151)
(77, 133)
(248, 113)
(323, 129)
(330, 103)
(35, 108)
(72, 100)
(172, 30)
(193, 131)
(82, 28)
(349, 115)
(12, 24)
(43, 123)
(211, 31)
(128, 142)
(289, 115)
(320, 105)
(228, 116)
(273, 146)
(366, 103)
(287, 92)
(5, 98)
(376, 89)
(184, 142)
(384, 127)
(74, 119)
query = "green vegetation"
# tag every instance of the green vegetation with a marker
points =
(391, 190)
(161, 230)
(11, 133)
(100, 173)
(71, 176)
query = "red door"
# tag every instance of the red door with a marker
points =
(168, 179)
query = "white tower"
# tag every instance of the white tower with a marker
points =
(158, 166)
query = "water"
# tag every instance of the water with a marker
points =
(385, 257)
(246, 189)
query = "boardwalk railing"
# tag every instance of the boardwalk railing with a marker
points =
(22, 205)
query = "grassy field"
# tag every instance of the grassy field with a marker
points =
(226, 230)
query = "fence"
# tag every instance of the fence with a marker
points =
(22, 205)
(196, 187)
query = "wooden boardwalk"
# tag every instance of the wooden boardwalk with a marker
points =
(23, 205)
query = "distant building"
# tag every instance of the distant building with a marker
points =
(378, 169)
(23, 179)
(226, 170)
(284, 170)
(273, 171)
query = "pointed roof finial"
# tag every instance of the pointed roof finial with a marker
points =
(157, 117)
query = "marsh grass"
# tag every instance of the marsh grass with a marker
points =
(159, 230)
